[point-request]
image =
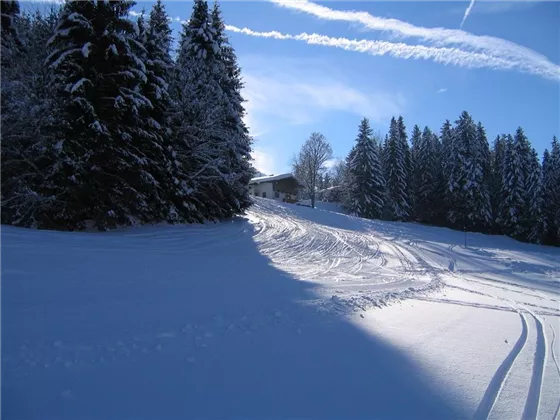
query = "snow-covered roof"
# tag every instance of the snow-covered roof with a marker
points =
(270, 178)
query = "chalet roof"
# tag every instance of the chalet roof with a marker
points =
(270, 178)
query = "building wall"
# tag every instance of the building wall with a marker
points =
(263, 188)
(267, 188)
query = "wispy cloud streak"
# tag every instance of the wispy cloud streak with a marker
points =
(442, 55)
(467, 13)
(519, 57)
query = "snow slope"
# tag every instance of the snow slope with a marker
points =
(279, 314)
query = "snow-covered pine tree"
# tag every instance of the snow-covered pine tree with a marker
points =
(415, 179)
(11, 49)
(13, 147)
(199, 113)
(102, 165)
(438, 200)
(347, 180)
(27, 109)
(396, 177)
(408, 167)
(547, 239)
(468, 195)
(555, 185)
(159, 64)
(446, 136)
(235, 130)
(482, 169)
(11, 41)
(531, 178)
(155, 36)
(551, 193)
(496, 187)
(426, 177)
(367, 188)
(484, 155)
(513, 206)
(535, 199)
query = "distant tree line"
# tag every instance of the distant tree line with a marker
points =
(102, 126)
(452, 179)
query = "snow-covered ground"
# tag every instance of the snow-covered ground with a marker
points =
(287, 312)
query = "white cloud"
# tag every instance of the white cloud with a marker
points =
(134, 13)
(442, 90)
(264, 161)
(442, 55)
(473, 48)
(177, 19)
(282, 92)
(467, 13)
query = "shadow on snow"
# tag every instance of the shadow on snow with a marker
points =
(186, 322)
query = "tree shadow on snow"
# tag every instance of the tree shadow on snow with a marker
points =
(177, 326)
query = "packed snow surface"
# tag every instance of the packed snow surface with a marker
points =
(287, 312)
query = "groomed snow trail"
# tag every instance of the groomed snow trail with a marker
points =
(357, 260)
(276, 315)
(346, 257)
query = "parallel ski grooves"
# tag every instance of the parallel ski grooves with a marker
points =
(557, 366)
(533, 399)
(496, 384)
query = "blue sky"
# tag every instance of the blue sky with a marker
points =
(502, 67)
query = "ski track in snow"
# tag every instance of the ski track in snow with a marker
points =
(497, 383)
(356, 265)
(532, 404)
(350, 265)
(552, 344)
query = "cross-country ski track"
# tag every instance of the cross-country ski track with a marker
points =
(285, 312)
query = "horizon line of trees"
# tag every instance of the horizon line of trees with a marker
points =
(454, 179)
(102, 126)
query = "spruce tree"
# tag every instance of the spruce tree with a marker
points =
(235, 131)
(438, 213)
(513, 205)
(467, 192)
(535, 199)
(482, 172)
(396, 176)
(415, 179)
(102, 165)
(159, 66)
(427, 177)
(155, 36)
(367, 188)
(347, 181)
(199, 111)
(408, 167)
(484, 156)
(551, 193)
(11, 41)
(496, 187)
(28, 107)
(446, 136)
